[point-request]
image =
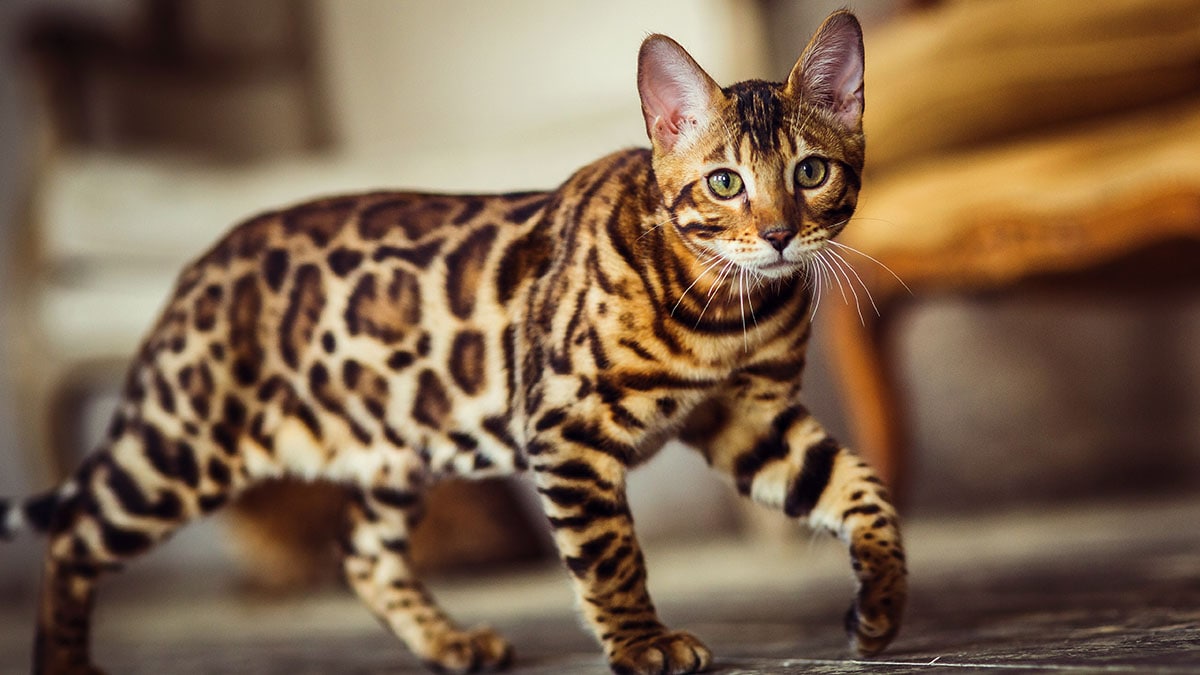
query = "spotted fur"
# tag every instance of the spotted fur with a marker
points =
(385, 341)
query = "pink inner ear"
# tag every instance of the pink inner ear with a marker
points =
(674, 90)
(832, 69)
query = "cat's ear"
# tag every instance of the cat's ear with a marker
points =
(678, 97)
(830, 71)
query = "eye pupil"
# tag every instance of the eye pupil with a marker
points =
(811, 172)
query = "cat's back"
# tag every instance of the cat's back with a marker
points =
(383, 258)
(347, 315)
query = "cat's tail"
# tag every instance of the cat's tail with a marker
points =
(35, 513)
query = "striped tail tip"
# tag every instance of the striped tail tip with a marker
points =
(37, 514)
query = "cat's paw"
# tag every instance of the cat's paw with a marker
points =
(674, 653)
(469, 651)
(874, 619)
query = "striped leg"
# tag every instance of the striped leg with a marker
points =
(376, 563)
(120, 504)
(789, 462)
(583, 494)
(62, 642)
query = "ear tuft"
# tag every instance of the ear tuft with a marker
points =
(830, 71)
(677, 95)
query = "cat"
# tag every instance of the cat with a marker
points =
(384, 341)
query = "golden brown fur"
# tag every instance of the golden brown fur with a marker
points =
(389, 340)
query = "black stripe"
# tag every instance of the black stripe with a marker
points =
(551, 418)
(565, 497)
(177, 460)
(343, 260)
(134, 502)
(210, 503)
(813, 478)
(123, 542)
(575, 469)
(589, 435)
(224, 438)
(636, 349)
(510, 360)
(524, 212)
(597, 546)
(471, 206)
(40, 511)
(865, 510)
(419, 256)
(772, 447)
(398, 546)
(686, 197)
(606, 568)
(275, 266)
(598, 355)
(593, 509)
(777, 371)
(593, 262)
(622, 416)
(645, 381)
(498, 428)
(397, 499)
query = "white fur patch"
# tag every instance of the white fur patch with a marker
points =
(14, 521)
(296, 452)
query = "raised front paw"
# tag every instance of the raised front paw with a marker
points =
(469, 652)
(669, 653)
(874, 619)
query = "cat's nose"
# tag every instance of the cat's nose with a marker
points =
(779, 237)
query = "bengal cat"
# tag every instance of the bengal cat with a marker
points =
(388, 340)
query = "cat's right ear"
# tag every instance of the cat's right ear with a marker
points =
(677, 95)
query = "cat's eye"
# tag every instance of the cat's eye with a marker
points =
(725, 184)
(811, 172)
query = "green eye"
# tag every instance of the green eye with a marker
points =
(725, 184)
(811, 172)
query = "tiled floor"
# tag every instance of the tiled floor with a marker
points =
(1091, 588)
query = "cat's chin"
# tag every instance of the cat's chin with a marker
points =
(779, 269)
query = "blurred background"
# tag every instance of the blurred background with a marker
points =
(1059, 366)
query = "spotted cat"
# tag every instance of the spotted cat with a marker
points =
(385, 341)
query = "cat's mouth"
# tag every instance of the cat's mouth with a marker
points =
(788, 262)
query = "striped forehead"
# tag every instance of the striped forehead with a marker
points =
(759, 110)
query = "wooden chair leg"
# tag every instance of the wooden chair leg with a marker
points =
(865, 377)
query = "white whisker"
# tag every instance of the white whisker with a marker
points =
(833, 272)
(670, 219)
(742, 307)
(712, 292)
(860, 281)
(750, 300)
(709, 265)
(818, 278)
(874, 260)
(840, 265)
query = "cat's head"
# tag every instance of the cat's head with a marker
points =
(761, 174)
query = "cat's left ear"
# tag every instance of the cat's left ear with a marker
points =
(830, 71)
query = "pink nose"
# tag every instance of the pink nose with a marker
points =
(779, 237)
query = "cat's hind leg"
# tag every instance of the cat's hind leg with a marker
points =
(377, 566)
(127, 497)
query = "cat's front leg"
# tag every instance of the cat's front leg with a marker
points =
(780, 456)
(580, 475)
